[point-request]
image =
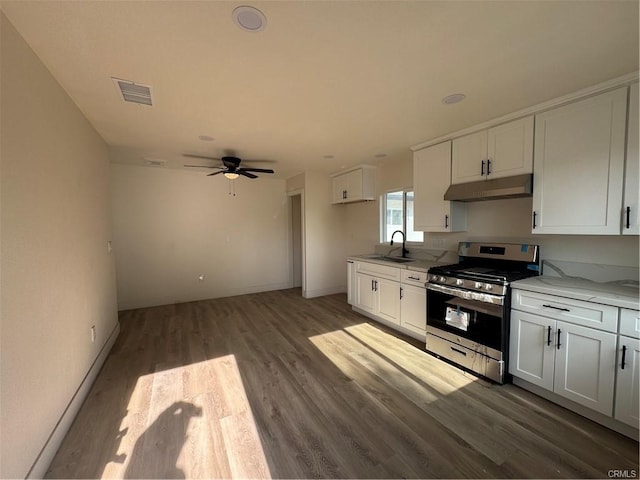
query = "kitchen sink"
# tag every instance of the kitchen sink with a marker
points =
(392, 259)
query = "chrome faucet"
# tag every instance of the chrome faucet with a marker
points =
(404, 243)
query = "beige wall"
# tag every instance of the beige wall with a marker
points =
(497, 220)
(325, 235)
(57, 277)
(171, 226)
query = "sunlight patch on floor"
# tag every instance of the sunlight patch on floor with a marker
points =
(193, 421)
(391, 359)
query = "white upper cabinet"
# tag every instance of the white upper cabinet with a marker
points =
(579, 166)
(355, 185)
(431, 178)
(630, 217)
(501, 151)
(469, 158)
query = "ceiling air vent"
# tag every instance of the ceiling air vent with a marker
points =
(133, 92)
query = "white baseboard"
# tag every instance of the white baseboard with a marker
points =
(40, 466)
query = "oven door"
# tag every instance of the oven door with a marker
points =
(476, 316)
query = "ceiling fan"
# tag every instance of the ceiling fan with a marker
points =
(231, 168)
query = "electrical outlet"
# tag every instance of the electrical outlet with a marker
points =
(93, 334)
(109, 246)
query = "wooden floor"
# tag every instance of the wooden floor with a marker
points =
(273, 385)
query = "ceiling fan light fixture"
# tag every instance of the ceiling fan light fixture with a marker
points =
(231, 176)
(249, 18)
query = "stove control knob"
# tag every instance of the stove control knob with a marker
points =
(459, 281)
(478, 285)
(443, 279)
(488, 287)
(434, 278)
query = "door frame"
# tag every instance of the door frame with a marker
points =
(294, 193)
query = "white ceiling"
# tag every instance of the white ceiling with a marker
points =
(351, 79)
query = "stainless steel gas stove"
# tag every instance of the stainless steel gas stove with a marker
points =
(468, 305)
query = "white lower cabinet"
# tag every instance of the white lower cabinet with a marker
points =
(585, 352)
(575, 362)
(413, 308)
(585, 366)
(393, 294)
(351, 282)
(628, 381)
(388, 300)
(627, 406)
(413, 302)
(532, 348)
(366, 297)
(378, 296)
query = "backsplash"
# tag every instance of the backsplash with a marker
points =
(591, 271)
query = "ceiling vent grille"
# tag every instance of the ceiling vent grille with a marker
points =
(133, 92)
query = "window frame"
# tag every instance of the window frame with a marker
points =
(383, 215)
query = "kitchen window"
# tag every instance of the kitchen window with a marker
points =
(397, 214)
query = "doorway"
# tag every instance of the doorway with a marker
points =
(296, 236)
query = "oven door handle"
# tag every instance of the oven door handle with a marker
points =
(467, 294)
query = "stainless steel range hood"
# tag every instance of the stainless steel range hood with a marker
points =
(507, 187)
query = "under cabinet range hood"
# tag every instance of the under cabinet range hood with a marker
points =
(507, 187)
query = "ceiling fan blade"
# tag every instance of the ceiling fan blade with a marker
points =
(245, 173)
(259, 170)
(201, 166)
(215, 173)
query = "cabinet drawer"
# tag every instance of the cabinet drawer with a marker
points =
(412, 277)
(594, 315)
(377, 270)
(630, 322)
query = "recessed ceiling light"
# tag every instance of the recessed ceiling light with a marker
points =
(454, 98)
(206, 138)
(249, 18)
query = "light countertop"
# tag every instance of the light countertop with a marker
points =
(417, 265)
(617, 294)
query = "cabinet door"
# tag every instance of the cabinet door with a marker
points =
(351, 282)
(578, 166)
(431, 179)
(510, 149)
(366, 298)
(413, 308)
(388, 293)
(339, 188)
(585, 366)
(628, 384)
(353, 185)
(630, 217)
(532, 348)
(469, 153)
